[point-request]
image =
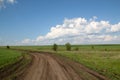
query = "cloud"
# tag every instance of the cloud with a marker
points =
(26, 41)
(115, 28)
(80, 31)
(3, 3)
(11, 1)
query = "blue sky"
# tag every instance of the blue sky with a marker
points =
(29, 22)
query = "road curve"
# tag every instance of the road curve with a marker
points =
(51, 67)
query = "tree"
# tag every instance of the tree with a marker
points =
(55, 47)
(68, 46)
(8, 47)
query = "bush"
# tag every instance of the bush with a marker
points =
(68, 46)
(105, 49)
(76, 49)
(8, 47)
(55, 47)
(92, 47)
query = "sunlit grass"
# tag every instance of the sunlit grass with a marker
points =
(104, 59)
(8, 56)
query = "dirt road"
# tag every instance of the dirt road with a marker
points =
(50, 67)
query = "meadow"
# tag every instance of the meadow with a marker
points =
(8, 57)
(104, 59)
(12, 63)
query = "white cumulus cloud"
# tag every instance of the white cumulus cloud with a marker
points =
(11, 1)
(3, 3)
(115, 28)
(80, 31)
(25, 41)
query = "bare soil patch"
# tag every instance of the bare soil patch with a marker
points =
(47, 66)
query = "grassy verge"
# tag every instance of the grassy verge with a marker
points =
(105, 63)
(104, 59)
(8, 56)
(12, 63)
(19, 68)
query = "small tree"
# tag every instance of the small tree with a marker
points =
(76, 49)
(55, 47)
(8, 47)
(105, 49)
(68, 46)
(92, 47)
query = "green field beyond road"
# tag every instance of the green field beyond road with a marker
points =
(104, 59)
(8, 57)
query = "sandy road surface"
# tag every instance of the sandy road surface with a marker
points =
(50, 67)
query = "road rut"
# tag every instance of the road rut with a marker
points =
(47, 66)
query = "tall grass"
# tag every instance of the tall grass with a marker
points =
(106, 63)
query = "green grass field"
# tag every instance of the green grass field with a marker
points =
(106, 63)
(104, 59)
(8, 56)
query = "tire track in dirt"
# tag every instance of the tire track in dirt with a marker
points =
(51, 67)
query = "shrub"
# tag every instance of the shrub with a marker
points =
(76, 49)
(92, 47)
(55, 47)
(68, 46)
(8, 47)
(105, 49)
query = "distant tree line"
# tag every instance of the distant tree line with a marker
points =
(67, 45)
